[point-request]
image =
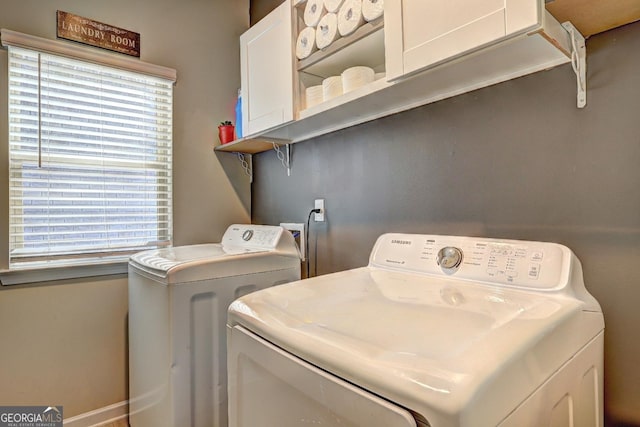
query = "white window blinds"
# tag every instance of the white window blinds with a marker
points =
(90, 160)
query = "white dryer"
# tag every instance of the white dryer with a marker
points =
(438, 331)
(178, 300)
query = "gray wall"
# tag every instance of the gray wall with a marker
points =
(517, 160)
(65, 343)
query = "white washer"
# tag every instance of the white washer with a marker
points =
(437, 331)
(178, 300)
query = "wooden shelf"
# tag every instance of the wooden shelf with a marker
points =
(251, 145)
(595, 16)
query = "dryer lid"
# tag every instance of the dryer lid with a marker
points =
(429, 344)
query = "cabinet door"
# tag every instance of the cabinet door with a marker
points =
(423, 33)
(266, 60)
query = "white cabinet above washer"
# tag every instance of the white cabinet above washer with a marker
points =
(428, 51)
(424, 33)
(266, 63)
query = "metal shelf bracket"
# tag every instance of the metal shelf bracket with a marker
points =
(246, 159)
(578, 61)
(285, 158)
(247, 165)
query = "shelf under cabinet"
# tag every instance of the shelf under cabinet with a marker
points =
(251, 145)
(543, 49)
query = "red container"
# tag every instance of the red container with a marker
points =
(226, 133)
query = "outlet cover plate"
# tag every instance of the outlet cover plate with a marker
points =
(319, 204)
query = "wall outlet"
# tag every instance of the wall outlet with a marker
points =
(297, 229)
(319, 204)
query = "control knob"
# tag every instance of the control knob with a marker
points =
(449, 258)
(247, 235)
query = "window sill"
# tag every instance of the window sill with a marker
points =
(26, 275)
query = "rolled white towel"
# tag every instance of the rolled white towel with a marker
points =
(327, 30)
(332, 6)
(313, 11)
(350, 17)
(372, 9)
(306, 43)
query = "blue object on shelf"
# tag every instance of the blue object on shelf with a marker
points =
(239, 116)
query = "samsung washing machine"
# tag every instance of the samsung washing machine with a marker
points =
(436, 331)
(178, 300)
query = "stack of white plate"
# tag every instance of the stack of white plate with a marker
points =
(313, 96)
(331, 87)
(355, 77)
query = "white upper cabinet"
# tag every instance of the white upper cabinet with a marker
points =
(425, 33)
(266, 60)
(420, 51)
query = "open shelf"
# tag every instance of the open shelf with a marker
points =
(364, 47)
(251, 145)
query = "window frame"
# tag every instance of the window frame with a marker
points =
(90, 267)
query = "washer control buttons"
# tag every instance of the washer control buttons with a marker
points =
(449, 258)
(534, 271)
(247, 235)
(537, 256)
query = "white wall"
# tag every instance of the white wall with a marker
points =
(65, 343)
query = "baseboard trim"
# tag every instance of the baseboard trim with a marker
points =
(101, 416)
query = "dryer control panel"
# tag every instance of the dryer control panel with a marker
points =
(515, 263)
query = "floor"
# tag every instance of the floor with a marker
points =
(124, 423)
(119, 423)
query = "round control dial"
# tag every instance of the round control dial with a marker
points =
(247, 235)
(449, 258)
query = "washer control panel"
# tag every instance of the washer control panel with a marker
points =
(515, 263)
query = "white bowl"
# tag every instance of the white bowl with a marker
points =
(355, 77)
(331, 87)
(313, 96)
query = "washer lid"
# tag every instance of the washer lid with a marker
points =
(244, 249)
(443, 348)
(167, 261)
(163, 260)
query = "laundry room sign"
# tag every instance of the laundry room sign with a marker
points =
(94, 33)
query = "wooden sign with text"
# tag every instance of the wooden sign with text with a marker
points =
(94, 33)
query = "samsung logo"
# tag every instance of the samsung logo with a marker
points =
(400, 242)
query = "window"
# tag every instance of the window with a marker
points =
(89, 160)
